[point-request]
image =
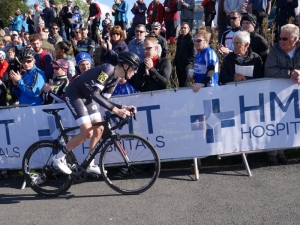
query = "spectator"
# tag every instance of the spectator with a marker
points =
(113, 46)
(17, 21)
(261, 9)
(136, 45)
(42, 57)
(185, 55)
(16, 41)
(45, 44)
(66, 14)
(30, 22)
(154, 73)
(123, 20)
(77, 17)
(60, 22)
(124, 88)
(285, 10)
(46, 14)
(28, 86)
(7, 43)
(210, 12)
(3, 64)
(94, 18)
(115, 13)
(14, 65)
(1, 24)
(55, 37)
(231, 6)
(171, 18)
(61, 50)
(53, 92)
(257, 43)
(83, 62)
(242, 56)
(39, 23)
(206, 62)
(3, 102)
(154, 35)
(226, 40)
(138, 10)
(155, 13)
(105, 31)
(86, 44)
(77, 35)
(25, 40)
(161, 40)
(283, 61)
(24, 23)
(187, 11)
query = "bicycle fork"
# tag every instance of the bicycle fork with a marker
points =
(116, 139)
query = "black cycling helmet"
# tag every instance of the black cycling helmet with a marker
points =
(26, 53)
(128, 58)
(76, 7)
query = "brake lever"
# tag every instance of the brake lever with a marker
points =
(131, 110)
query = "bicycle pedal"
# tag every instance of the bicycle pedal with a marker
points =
(94, 175)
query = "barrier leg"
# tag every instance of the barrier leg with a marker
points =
(196, 169)
(246, 165)
(24, 184)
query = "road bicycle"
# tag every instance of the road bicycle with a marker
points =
(130, 154)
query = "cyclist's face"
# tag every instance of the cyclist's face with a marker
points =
(130, 72)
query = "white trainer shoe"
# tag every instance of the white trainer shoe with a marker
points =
(61, 164)
(95, 169)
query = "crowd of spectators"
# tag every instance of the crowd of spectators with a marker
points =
(38, 61)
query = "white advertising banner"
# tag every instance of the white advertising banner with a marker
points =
(248, 116)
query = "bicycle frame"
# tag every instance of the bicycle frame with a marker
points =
(107, 134)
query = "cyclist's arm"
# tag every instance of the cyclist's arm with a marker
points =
(102, 101)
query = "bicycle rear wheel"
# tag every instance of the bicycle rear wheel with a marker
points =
(142, 171)
(39, 172)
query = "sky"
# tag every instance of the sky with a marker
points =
(106, 8)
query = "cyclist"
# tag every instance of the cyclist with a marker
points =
(95, 85)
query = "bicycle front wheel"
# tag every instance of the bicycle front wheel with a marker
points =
(39, 172)
(141, 172)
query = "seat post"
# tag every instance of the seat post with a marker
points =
(58, 120)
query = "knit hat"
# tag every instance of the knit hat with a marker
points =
(83, 56)
(61, 63)
(251, 18)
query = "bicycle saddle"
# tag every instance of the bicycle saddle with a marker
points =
(52, 111)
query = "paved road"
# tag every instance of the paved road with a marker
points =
(223, 195)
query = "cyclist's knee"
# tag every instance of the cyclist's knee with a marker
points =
(87, 134)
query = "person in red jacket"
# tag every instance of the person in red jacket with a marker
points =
(3, 64)
(155, 13)
(171, 18)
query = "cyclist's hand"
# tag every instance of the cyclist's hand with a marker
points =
(123, 113)
(131, 109)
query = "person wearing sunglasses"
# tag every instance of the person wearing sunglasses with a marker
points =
(154, 73)
(185, 55)
(28, 86)
(113, 46)
(155, 27)
(206, 62)
(55, 37)
(226, 45)
(95, 86)
(136, 45)
(54, 90)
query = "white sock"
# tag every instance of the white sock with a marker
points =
(60, 155)
(92, 162)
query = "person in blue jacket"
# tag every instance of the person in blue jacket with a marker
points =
(28, 86)
(16, 23)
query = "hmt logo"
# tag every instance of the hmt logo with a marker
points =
(212, 121)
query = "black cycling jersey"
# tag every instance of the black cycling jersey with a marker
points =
(96, 84)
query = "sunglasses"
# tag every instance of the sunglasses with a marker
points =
(54, 28)
(139, 31)
(116, 34)
(14, 35)
(55, 68)
(233, 18)
(198, 40)
(148, 48)
(135, 68)
(77, 32)
(283, 39)
(24, 61)
(46, 31)
(155, 28)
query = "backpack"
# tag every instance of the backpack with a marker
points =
(42, 58)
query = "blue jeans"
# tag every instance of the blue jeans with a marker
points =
(62, 33)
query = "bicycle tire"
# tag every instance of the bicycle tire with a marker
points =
(39, 172)
(141, 174)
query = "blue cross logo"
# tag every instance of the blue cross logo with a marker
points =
(212, 121)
